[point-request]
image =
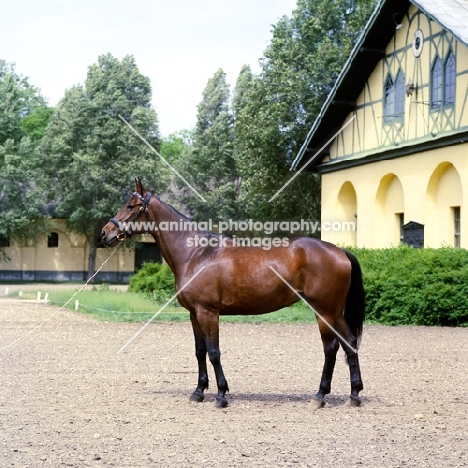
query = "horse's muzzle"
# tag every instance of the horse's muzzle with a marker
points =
(109, 237)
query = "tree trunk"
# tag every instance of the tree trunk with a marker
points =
(92, 257)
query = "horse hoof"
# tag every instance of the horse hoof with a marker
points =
(221, 402)
(353, 402)
(317, 403)
(197, 396)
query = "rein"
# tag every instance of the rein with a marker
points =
(124, 233)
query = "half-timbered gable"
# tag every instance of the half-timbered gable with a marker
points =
(390, 141)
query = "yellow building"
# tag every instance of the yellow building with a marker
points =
(399, 167)
(63, 256)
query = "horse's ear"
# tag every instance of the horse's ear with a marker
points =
(139, 186)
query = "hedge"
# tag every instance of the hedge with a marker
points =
(404, 286)
(407, 286)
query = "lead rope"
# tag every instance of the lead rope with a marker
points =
(63, 306)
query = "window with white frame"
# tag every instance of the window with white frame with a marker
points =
(443, 76)
(394, 97)
(456, 226)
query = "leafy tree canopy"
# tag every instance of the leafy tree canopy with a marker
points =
(18, 100)
(278, 108)
(34, 124)
(174, 145)
(91, 156)
(209, 162)
(21, 193)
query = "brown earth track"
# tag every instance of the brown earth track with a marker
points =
(68, 399)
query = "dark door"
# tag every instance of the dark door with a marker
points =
(413, 234)
(147, 252)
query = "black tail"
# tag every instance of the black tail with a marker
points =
(355, 308)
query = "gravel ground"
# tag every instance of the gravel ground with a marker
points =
(68, 399)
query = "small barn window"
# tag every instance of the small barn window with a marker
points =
(389, 98)
(400, 95)
(394, 105)
(449, 97)
(52, 240)
(436, 84)
(456, 226)
(443, 78)
(4, 241)
(401, 226)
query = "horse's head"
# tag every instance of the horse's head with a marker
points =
(124, 223)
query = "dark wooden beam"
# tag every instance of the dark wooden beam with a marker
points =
(344, 103)
(373, 50)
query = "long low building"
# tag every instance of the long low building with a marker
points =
(63, 256)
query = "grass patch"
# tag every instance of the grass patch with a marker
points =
(29, 295)
(297, 313)
(109, 305)
(116, 306)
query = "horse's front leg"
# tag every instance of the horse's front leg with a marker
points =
(200, 353)
(209, 325)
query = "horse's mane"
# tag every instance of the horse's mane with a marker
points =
(186, 218)
(178, 212)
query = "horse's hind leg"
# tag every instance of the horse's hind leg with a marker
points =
(200, 352)
(355, 376)
(330, 348)
(349, 344)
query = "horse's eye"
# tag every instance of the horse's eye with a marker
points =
(130, 207)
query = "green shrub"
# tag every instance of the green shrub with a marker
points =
(406, 286)
(155, 280)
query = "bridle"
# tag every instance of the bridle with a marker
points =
(124, 233)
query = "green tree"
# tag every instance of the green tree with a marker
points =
(299, 67)
(18, 100)
(174, 145)
(34, 124)
(209, 162)
(240, 95)
(91, 156)
(22, 217)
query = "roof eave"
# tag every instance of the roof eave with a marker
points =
(453, 139)
(358, 48)
(441, 21)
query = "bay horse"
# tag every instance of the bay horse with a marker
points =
(238, 280)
